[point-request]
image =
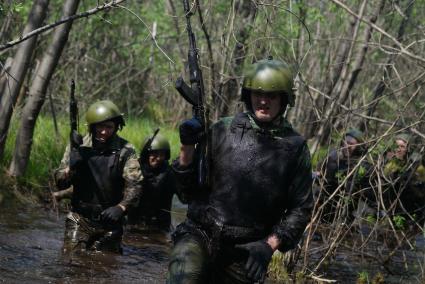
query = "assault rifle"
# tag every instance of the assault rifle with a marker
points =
(75, 139)
(146, 148)
(195, 95)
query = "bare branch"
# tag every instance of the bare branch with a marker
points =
(403, 49)
(113, 3)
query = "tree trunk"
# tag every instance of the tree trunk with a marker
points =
(38, 91)
(19, 69)
(379, 89)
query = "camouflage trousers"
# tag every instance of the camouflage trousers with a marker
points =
(84, 234)
(191, 261)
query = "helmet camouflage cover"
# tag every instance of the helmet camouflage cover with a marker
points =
(102, 111)
(269, 76)
(403, 136)
(355, 133)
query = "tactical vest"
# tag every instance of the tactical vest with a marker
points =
(99, 183)
(251, 171)
(157, 195)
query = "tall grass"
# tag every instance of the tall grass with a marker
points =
(48, 146)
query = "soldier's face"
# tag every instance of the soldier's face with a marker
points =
(265, 106)
(349, 145)
(401, 149)
(104, 131)
(156, 158)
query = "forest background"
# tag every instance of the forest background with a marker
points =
(359, 63)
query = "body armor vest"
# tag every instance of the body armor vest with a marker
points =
(251, 171)
(99, 183)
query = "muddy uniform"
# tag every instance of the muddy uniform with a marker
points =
(106, 177)
(154, 207)
(260, 185)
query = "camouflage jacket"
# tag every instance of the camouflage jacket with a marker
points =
(129, 169)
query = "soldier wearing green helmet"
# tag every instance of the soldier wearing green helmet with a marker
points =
(153, 210)
(269, 78)
(259, 197)
(106, 179)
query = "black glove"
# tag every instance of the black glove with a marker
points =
(75, 159)
(260, 254)
(113, 213)
(190, 131)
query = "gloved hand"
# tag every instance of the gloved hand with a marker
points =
(190, 131)
(260, 254)
(75, 159)
(113, 213)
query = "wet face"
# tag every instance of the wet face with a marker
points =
(401, 149)
(104, 131)
(156, 159)
(349, 145)
(265, 106)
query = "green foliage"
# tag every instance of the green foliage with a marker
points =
(371, 219)
(319, 156)
(277, 270)
(399, 222)
(362, 277)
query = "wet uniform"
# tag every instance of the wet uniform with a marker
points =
(260, 185)
(153, 210)
(108, 176)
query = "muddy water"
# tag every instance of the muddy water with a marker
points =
(30, 252)
(31, 242)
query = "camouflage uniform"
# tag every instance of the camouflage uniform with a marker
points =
(109, 176)
(260, 186)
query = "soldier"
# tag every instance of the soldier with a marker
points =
(334, 170)
(259, 198)
(154, 207)
(404, 174)
(106, 180)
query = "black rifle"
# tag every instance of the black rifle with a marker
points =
(195, 95)
(146, 148)
(73, 116)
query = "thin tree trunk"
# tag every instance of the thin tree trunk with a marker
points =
(38, 91)
(379, 89)
(326, 126)
(19, 69)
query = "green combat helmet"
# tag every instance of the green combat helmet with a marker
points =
(269, 76)
(159, 143)
(102, 111)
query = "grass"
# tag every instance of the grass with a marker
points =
(48, 147)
